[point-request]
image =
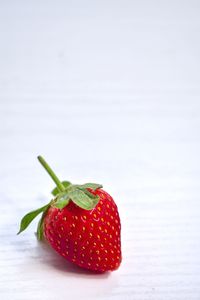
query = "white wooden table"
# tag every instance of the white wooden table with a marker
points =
(107, 91)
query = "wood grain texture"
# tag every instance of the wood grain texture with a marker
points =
(106, 91)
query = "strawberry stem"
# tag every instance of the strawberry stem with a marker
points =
(60, 186)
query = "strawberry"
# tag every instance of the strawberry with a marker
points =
(81, 223)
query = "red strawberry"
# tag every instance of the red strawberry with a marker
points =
(81, 223)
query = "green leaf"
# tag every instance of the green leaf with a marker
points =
(40, 224)
(28, 218)
(62, 200)
(88, 193)
(81, 199)
(56, 191)
(40, 228)
(93, 186)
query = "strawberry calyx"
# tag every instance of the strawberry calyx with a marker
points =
(63, 193)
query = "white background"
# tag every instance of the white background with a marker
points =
(107, 91)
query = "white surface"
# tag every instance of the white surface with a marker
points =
(107, 91)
